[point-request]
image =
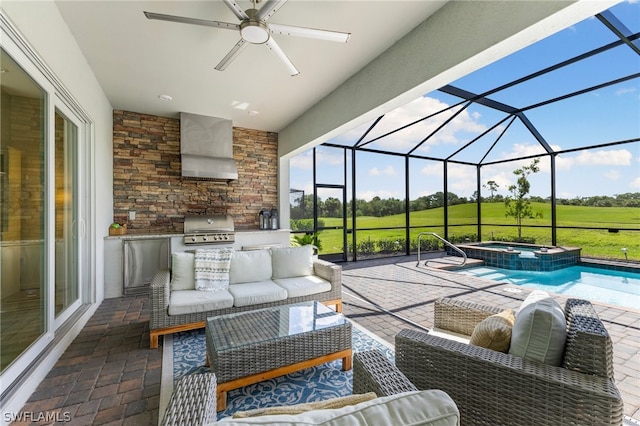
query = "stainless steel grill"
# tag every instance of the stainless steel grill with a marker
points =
(208, 229)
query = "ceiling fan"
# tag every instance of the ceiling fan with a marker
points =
(254, 29)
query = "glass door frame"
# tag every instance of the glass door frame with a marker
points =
(56, 97)
(340, 256)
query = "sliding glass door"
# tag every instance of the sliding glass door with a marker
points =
(22, 249)
(66, 214)
(44, 255)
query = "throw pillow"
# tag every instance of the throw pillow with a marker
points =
(182, 270)
(494, 332)
(540, 330)
(301, 408)
(211, 269)
(288, 262)
(250, 266)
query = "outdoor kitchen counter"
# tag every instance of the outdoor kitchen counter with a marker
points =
(137, 234)
(114, 250)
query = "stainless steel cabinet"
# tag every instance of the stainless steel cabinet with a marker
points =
(142, 259)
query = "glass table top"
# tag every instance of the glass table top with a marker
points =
(270, 324)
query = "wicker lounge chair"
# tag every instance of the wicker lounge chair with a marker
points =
(494, 388)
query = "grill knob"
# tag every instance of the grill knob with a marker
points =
(193, 238)
(205, 238)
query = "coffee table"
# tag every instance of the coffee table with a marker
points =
(248, 347)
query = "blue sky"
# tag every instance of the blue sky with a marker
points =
(605, 115)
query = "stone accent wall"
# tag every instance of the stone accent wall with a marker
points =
(146, 176)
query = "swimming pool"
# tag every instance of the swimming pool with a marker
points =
(614, 287)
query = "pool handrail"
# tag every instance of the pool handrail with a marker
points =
(433, 234)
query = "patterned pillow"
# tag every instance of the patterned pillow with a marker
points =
(494, 332)
(212, 269)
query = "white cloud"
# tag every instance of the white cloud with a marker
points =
(620, 157)
(422, 107)
(613, 174)
(302, 161)
(626, 90)
(635, 184)
(387, 171)
(368, 195)
(432, 170)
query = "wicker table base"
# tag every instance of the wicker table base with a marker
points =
(249, 347)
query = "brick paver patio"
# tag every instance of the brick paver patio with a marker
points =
(109, 376)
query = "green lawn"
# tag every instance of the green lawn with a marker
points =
(462, 220)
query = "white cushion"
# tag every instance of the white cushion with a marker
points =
(257, 292)
(292, 261)
(429, 407)
(182, 271)
(212, 269)
(540, 330)
(303, 286)
(193, 301)
(250, 266)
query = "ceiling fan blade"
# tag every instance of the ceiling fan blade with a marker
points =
(236, 9)
(275, 49)
(269, 9)
(309, 32)
(235, 51)
(194, 21)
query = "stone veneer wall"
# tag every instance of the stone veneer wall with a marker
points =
(146, 176)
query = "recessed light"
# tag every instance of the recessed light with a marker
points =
(165, 98)
(253, 112)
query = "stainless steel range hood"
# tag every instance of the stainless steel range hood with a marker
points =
(206, 148)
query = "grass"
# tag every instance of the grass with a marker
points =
(463, 218)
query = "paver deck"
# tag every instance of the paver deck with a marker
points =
(108, 375)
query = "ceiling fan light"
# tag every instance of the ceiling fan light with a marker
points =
(254, 32)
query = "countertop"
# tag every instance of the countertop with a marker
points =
(147, 236)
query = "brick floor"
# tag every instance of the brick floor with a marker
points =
(109, 376)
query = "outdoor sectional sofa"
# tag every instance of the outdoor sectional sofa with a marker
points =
(257, 279)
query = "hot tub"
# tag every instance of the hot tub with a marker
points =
(529, 257)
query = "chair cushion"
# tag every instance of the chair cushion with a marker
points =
(193, 301)
(250, 266)
(494, 332)
(540, 330)
(182, 270)
(256, 293)
(303, 286)
(211, 268)
(429, 407)
(290, 262)
(337, 402)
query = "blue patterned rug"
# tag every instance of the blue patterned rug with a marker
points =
(185, 353)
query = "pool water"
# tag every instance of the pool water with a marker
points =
(595, 284)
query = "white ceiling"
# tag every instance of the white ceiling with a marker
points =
(136, 59)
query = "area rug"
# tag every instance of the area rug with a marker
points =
(184, 353)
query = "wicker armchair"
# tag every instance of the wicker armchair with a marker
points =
(494, 388)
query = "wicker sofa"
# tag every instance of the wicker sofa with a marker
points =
(193, 402)
(495, 388)
(324, 284)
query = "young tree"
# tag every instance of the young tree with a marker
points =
(518, 205)
(492, 186)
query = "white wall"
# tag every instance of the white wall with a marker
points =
(44, 30)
